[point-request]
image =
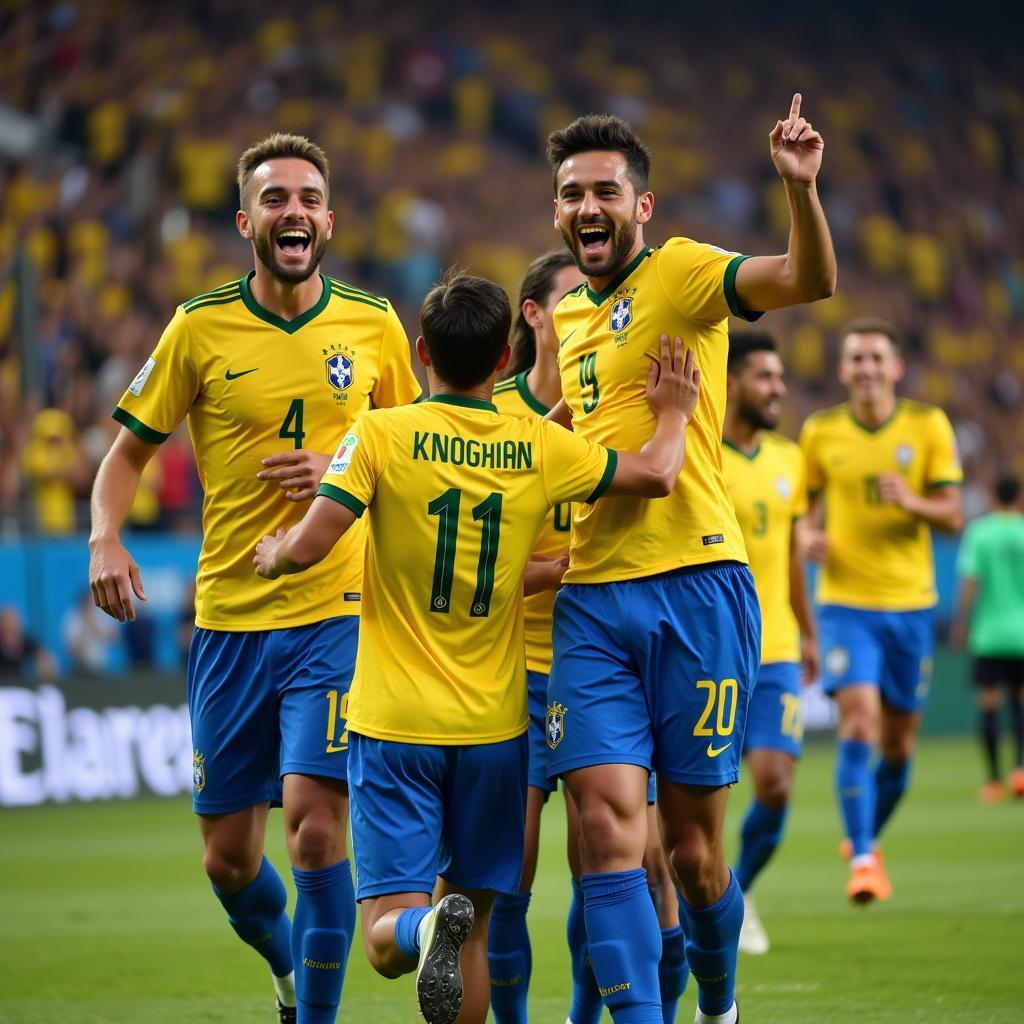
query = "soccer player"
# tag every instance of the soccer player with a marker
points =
(531, 388)
(657, 629)
(765, 474)
(456, 494)
(883, 472)
(269, 371)
(991, 616)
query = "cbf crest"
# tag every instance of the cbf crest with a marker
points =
(621, 315)
(555, 724)
(339, 371)
(782, 486)
(198, 771)
(904, 455)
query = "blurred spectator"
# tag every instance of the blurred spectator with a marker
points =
(55, 471)
(21, 657)
(89, 637)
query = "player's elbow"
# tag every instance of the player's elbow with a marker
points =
(659, 481)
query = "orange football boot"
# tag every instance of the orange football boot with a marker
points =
(1017, 783)
(993, 792)
(869, 882)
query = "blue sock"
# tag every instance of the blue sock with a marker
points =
(325, 918)
(759, 837)
(257, 914)
(407, 930)
(712, 937)
(673, 971)
(891, 778)
(509, 958)
(586, 1000)
(856, 789)
(625, 944)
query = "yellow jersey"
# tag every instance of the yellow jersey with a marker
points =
(513, 397)
(880, 557)
(252, 385)
(683, 289)
(769, 490)
(456, 494)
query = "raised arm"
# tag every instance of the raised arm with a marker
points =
(807, 271)
(113, 573)
(673, 384)
(304, 545)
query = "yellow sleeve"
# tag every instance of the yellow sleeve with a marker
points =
(800, 492)
(814, 474)
(355, 468)
(396, 385)
(700, 280)
(943, 461)
(573, 468)
(164, 389)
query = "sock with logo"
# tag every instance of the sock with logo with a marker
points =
(325, 918)
(625, 944)
(712, 938)
(891, 778)
(759, 837)
(509, 958)
(673, 971)
(586, 1000)
(257, 914)
(856, 789)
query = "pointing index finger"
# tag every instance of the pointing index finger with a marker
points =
(794, 109)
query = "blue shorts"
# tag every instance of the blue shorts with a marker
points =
(892, 650)
(775, 719)
(420, 811)
(267, 704)
(655, 672)
(537, 697)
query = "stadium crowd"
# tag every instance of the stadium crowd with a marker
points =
(122, 124)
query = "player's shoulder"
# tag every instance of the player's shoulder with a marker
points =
(830, 416)
(572, 297)
(223, 296)
(911, 409)
(781, 447)
(362, 301)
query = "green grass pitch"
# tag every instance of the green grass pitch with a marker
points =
(106, 918)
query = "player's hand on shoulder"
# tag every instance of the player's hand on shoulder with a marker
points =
(113, 577)
(544, 574)
(673, 381)
(796, 147)
(298, 473)
(265, 557)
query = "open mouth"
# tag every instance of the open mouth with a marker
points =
(593, 238)
(293, 241)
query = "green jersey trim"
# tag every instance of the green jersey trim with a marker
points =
(350, 501)
(288, 326)
(234, 296)
(606, 477)
(138, 428)
(749, 456)
(939, 484)
(731, 298)
(597, 298)
(464, 401)
(214, 293)
(528, 396)
(351, 291)
(881, 426)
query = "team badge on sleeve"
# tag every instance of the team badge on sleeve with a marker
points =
(198, 771)
(555, 725)
(339, 372)
(621, 315)
(141, 377)
(343, 456)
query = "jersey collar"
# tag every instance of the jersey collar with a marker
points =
(288, 326)
(881, 426)
(528, 396)
(597, 298)
(749, 456)
(464, 401)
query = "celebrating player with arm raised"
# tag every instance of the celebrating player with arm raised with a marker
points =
(657, 630)
(285, 357)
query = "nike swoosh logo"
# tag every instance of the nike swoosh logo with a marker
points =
(228, 375)
(567, 337)
(715, 751)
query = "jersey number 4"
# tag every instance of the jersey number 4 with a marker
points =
(488, 513)
(292, 425)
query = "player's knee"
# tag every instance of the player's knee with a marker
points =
(606, 835)
(773, 790)
(860, 726)
(694, 864)
(314, 843)
(229, 870)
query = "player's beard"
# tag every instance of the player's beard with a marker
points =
(623, 238)
(757, 417)
(266, 254)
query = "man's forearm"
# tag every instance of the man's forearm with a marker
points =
(942, 511)
(810, 259)
(117, 482)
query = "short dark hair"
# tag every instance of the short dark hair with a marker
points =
(600, 132)
(1007, 489)
(465, 323)
(743, 344)
(538, 281)
(872, 325)
(280, 145)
